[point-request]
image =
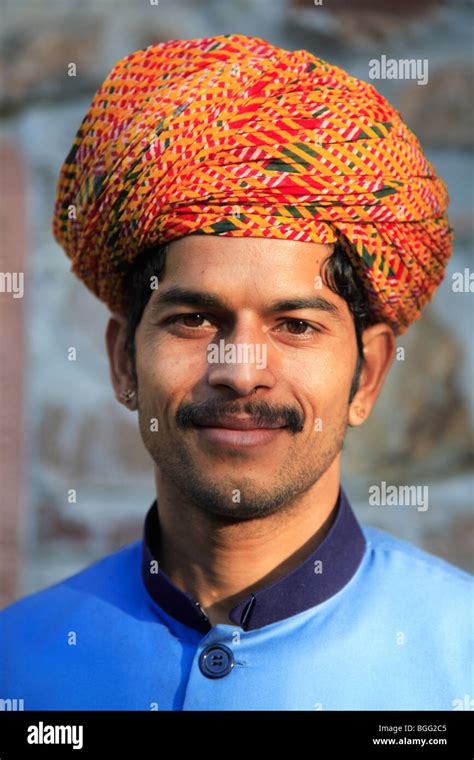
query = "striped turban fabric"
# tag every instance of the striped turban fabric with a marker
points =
(230, 135)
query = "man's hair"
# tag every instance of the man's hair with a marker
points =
(337, 272)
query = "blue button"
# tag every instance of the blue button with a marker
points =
(216, 661)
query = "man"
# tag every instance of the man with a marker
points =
(261, 226)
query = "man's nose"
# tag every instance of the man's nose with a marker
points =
(241, 359)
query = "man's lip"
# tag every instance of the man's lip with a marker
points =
(228, 438)
(240, 424)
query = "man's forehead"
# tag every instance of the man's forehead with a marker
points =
(209, 276)
(228, 245)
(257, 260)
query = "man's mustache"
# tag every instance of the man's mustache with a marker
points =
(208, 412)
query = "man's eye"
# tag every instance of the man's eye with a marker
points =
(297, 324)
(296, 327)
(193, 319)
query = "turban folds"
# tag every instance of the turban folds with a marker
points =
(230, 135)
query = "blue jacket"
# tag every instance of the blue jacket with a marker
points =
(367, 622)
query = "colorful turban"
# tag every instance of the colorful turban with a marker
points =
(230, 135)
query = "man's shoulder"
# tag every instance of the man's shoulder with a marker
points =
(108, 578)
(410, 566)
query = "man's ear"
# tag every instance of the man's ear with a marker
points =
(119, 361)
(379, 349)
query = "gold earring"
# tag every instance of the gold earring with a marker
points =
(127, 395)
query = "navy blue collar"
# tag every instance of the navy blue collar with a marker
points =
(339, 555)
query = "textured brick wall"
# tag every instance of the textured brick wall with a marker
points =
(12, 367)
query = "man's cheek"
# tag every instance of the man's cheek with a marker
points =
(171, 372)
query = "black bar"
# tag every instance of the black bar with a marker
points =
(135, 734)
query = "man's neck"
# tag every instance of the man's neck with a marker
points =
(221, 563)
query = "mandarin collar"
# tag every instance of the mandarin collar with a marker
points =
(338, 557)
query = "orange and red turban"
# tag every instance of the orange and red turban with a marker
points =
(230, 135)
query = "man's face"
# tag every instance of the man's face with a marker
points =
(290, 367)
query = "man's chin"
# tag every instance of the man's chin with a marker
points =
(234, 512)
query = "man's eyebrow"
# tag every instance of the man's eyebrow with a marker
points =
(177, 296)
(202, 299)
(314, 302)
